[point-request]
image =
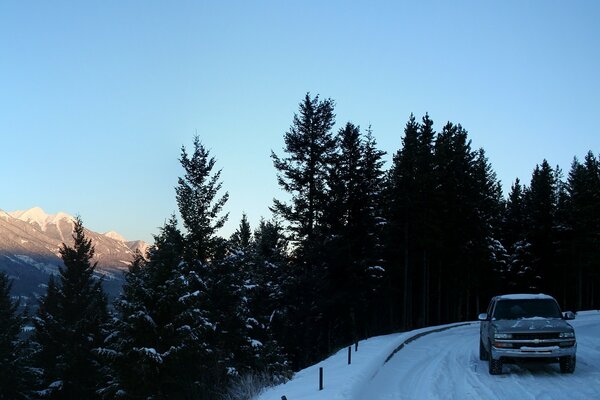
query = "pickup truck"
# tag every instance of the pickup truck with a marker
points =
(526, 326)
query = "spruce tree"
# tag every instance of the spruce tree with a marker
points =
(266, 297)
(241, 238)
(15, 373)
(199, 202)
(351, 249)
(159, 346)
(541, 206)
(70, 322)
(410, 212)
(514, 238)
(304, 174)
(583, 243)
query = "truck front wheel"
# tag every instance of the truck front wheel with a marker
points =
(483, 354)
(567, 364)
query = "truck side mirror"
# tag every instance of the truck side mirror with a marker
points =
(568, 315)
(483, 317)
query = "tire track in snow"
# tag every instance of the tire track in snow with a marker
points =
(446, 365)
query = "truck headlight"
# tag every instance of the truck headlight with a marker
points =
(502, 336)
(566, 335)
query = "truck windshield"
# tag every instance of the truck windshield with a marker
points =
(526, 308)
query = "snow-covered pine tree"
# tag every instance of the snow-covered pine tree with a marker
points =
(261, 257)
(15, 372)
(158, 346)
(69, 324)
(518, 266)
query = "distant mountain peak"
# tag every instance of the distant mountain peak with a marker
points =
(39, 216)
(114, 235)
(29, 250)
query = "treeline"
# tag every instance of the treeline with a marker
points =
(356, 250)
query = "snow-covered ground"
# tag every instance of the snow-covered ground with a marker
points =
(446, 365)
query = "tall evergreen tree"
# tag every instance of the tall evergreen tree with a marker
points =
(515, 241)
(15, 373)
(304, 173)
(541, 206)
(69, 325)
(583, 223)
(410, 198)
(160, 343)
(352, 249)
(200, 204)
(241, 238)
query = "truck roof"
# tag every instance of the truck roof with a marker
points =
(524, 296)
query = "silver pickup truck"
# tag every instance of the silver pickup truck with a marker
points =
(525, 326)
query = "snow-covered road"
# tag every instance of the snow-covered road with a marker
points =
(446, 365)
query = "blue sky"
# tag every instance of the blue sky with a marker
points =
(97, 97)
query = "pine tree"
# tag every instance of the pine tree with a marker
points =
(351, 250)
(304, 174)
(267, 297)
(410, 212)
(514, 238)
(399, 202)
(583, 244)
(541, 206)
(199, 203)
(69, 325)
(159, 346)
(241, 238)
(15, 373)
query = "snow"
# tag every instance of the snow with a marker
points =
(43, 267)
(445, 365)
(39, 216)
(4, 215)
(525, 296)
(115, 236)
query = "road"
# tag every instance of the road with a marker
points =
(446, 365)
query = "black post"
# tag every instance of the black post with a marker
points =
(349, 355)
(283, 398)
(320, 378)
(356, 346)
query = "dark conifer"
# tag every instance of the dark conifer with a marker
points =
(304, 174)
(541, 205)
(199, 202)
(160, 342)
(70, 324)
(15, 372)
(241, 238)
(582, 245)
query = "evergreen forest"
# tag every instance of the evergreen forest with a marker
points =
(353, 249)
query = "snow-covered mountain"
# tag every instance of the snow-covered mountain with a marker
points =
(29, 243)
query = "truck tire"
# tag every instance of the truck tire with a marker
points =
(495, 366)
(483, 354)
(567, 364)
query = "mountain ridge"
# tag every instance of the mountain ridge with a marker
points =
(29, 250)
